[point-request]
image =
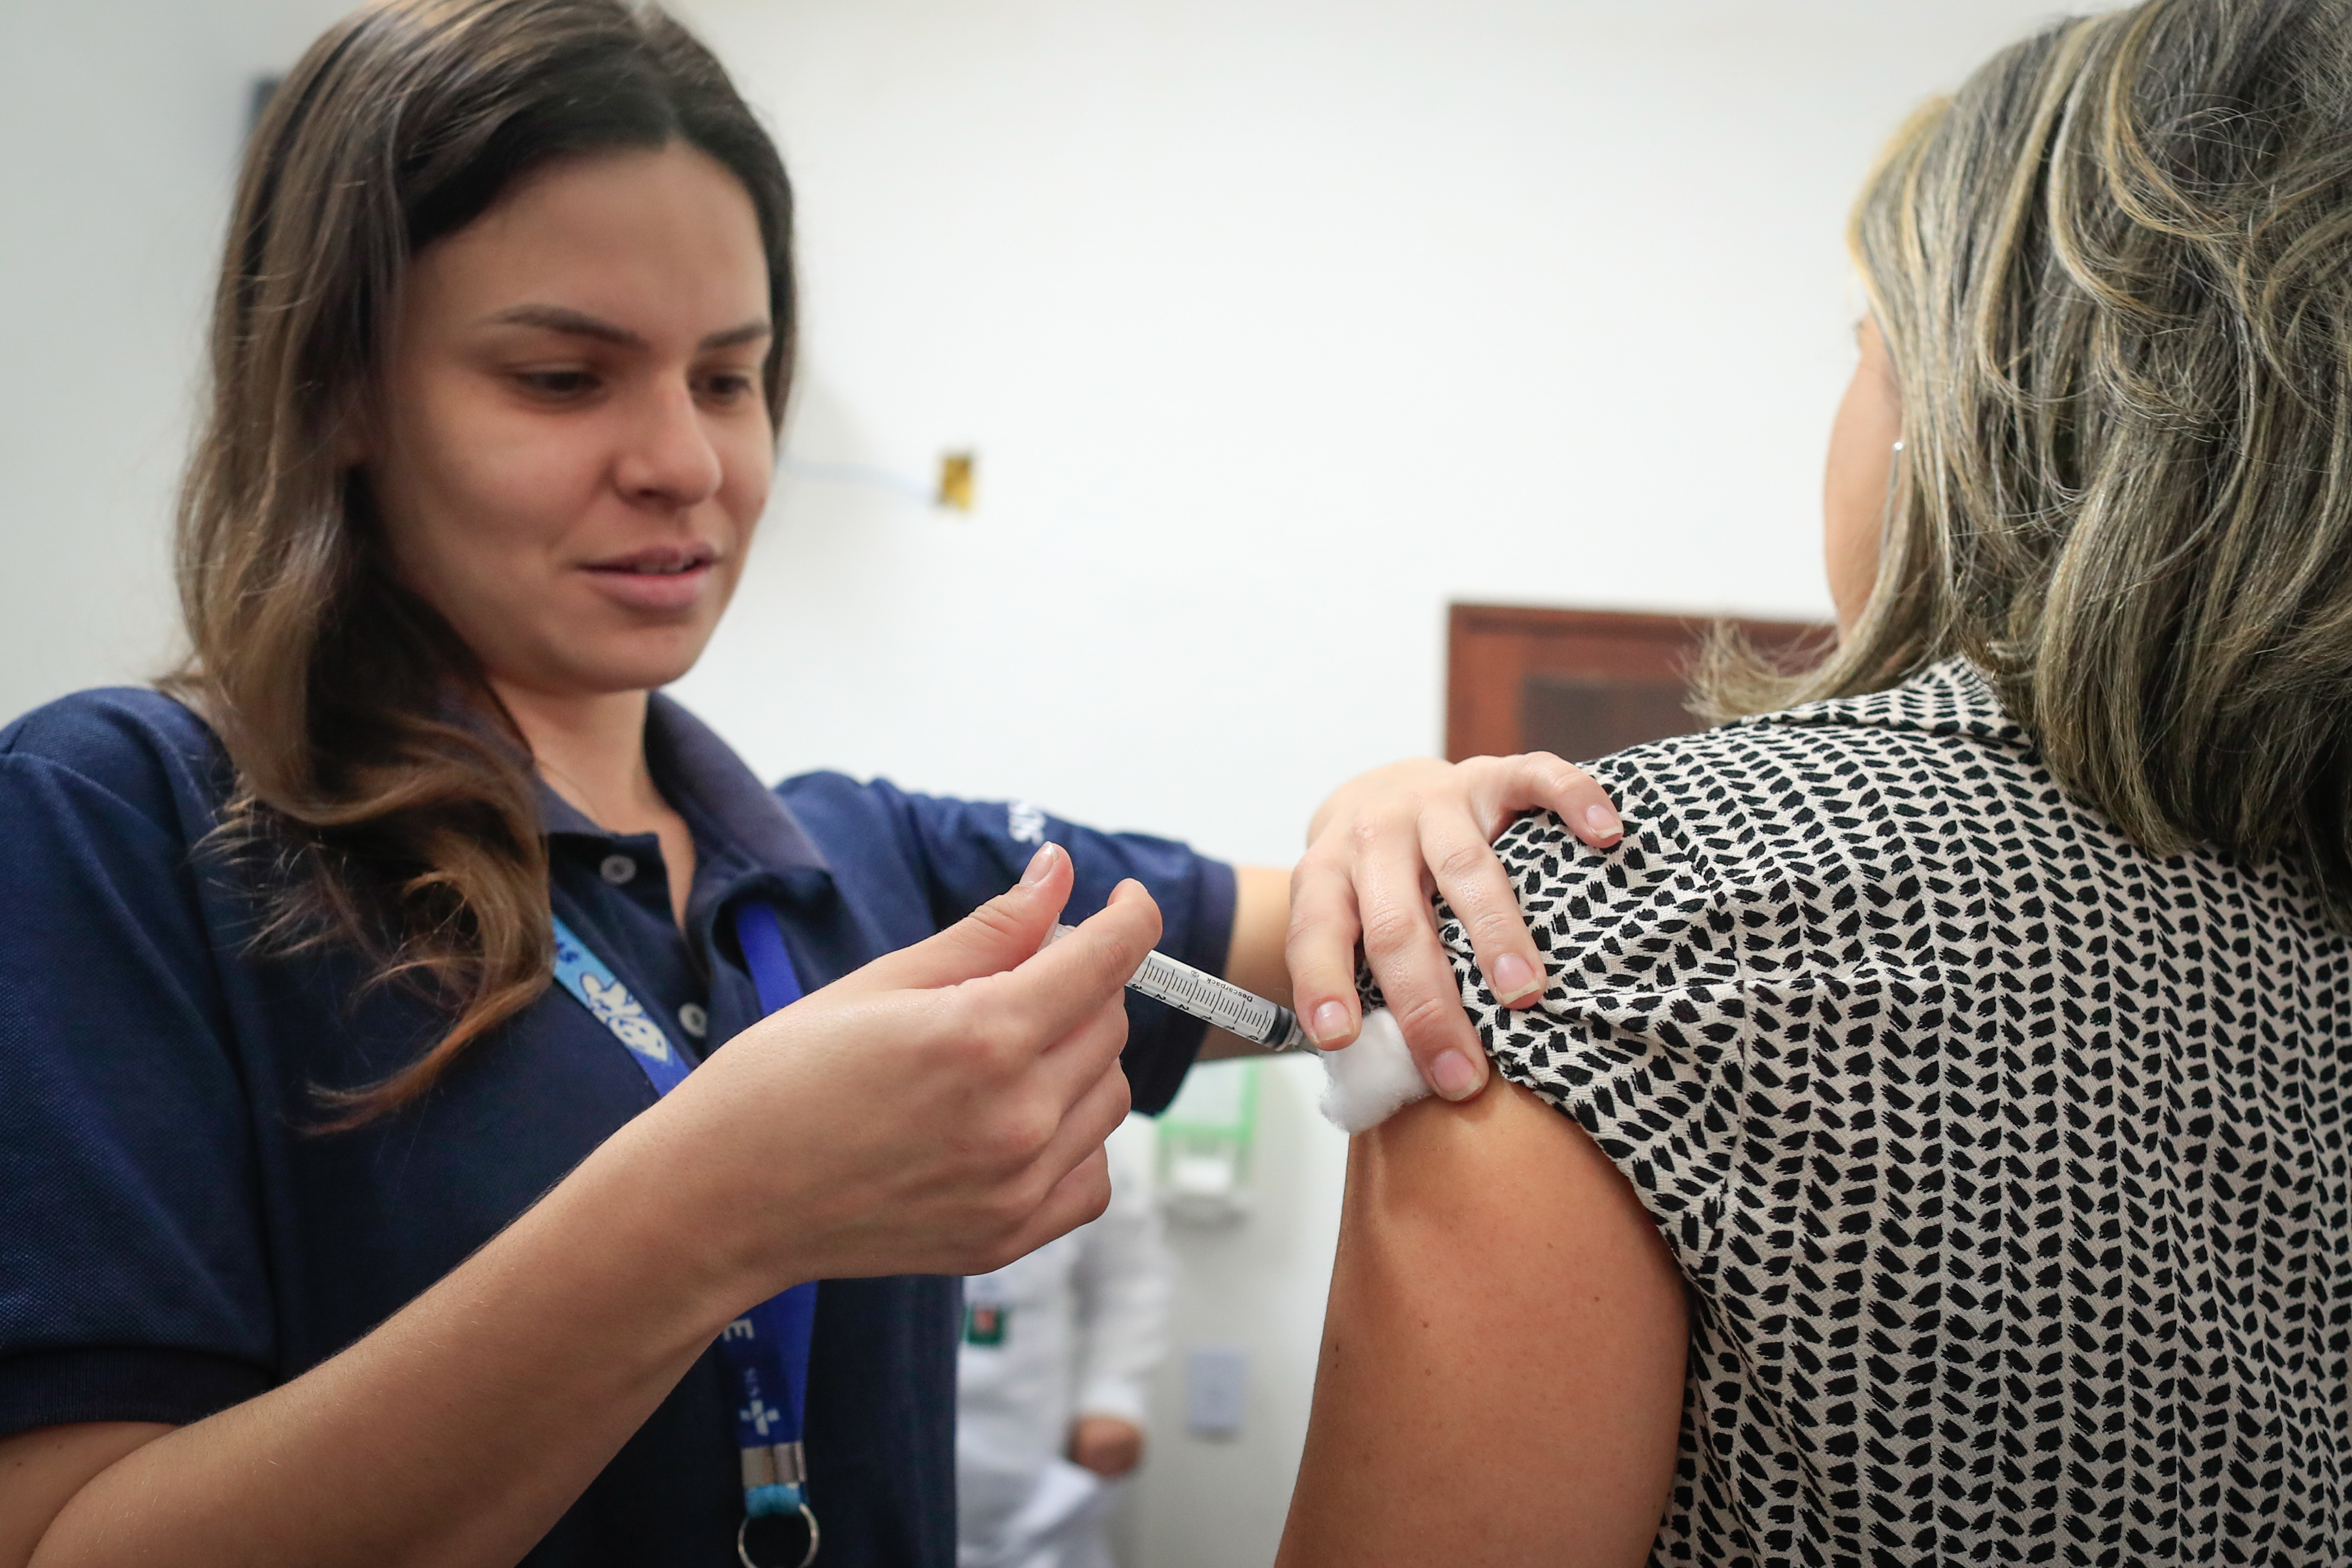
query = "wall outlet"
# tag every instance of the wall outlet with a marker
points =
(1216, 1388)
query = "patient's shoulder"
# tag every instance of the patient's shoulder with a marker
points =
(1765, 861)
(1786, 789)
(1779, 821)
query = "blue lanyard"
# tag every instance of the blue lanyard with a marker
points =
(768, 1347)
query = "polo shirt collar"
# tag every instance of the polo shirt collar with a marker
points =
(698, 770)
(731, 812)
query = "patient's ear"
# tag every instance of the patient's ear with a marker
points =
(1857, 482)
(352, 427)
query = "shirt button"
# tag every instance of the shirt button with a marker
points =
(694, 1020)
(617, 868)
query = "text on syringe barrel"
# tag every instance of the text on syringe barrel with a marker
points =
(1229, 1007)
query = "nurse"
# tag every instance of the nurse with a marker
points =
(332, 1230)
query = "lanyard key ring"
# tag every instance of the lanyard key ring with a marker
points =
(772, 1548)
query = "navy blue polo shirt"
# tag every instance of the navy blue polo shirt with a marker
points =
(175, 1236)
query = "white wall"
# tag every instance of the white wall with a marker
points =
(1259, 1283)
(1276, 324)
(121, 122)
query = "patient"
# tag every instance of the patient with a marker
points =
(1931, 1145)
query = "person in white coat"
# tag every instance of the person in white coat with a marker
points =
(1058, 1347)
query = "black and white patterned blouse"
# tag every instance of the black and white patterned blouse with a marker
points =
(2006, 1162)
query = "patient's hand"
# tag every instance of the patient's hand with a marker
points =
(1105, 1445)
(1376, 851)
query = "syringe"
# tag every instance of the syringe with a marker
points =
(1218, 1003)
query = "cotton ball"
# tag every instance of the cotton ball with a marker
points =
(1370, 1081)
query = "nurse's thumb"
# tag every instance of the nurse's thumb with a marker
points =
(1001, 934)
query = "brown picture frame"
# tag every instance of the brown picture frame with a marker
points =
(1503, 660)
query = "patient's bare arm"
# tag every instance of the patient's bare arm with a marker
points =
(1501, 1379)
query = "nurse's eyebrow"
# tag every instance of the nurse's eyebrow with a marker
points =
(580, 324)
(749, 332)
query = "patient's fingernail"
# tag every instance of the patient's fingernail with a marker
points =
(1452, 1075)
(1041, 865)
(1515, 977)
(1329, 1023)
(1604, 821)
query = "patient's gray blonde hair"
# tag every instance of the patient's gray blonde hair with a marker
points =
(2114, 272)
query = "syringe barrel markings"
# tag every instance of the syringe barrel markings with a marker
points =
(1216, 1002)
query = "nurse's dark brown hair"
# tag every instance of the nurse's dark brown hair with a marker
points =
(382, 798)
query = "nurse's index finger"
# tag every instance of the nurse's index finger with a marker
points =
(1319, 950)
(1539, 780)
(1071, 976)
(1479, 891)
(1415, 975)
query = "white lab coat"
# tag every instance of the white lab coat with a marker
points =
(1083, 1324)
